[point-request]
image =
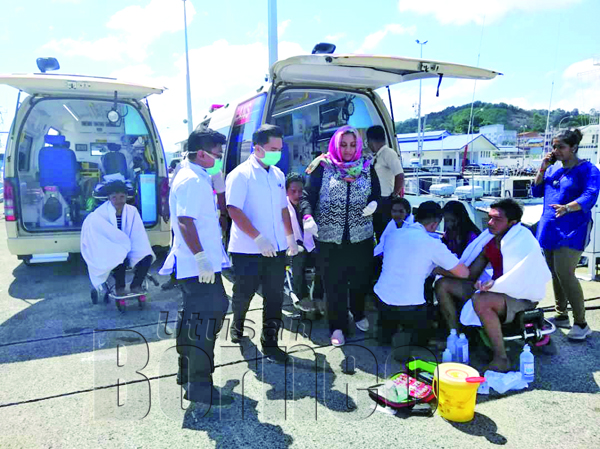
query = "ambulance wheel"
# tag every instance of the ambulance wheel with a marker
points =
(94, 295)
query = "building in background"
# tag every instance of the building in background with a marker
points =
(443, 151)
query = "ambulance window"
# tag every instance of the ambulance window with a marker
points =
(310, 117)
(246, 120)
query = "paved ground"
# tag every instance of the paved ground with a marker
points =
(59, 381)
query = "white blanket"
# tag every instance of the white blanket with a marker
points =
(525, 272)
(306, 238)
(104, 246)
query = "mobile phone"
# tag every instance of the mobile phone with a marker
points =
(552, 159)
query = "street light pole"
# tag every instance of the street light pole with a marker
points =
(190, 122)
(561, 120)
(419, 136)
(272, 18)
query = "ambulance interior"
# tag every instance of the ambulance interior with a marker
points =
(69, 150)
(309, 118)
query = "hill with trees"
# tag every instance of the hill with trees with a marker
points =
(456, 119)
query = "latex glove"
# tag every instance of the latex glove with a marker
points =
(292, 245)
(218, 182)
(310, 226)
(370, 209)
(265, 247)
(205, 269)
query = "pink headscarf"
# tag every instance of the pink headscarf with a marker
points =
(350, 170)
(335, 152)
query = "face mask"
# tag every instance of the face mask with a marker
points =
(271, 158)
(215, 168)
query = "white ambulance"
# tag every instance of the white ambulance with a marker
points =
(70, 136)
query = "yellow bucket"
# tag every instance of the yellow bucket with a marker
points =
(455, 386)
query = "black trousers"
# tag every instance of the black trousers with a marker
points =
(382, 216)
(299, 264)
(411, 318)
(250, 272)
(346, 268)
(140, 272)
(198, 324)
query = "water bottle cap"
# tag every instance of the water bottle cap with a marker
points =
(526, 348)
(452, 331)
(463, 336)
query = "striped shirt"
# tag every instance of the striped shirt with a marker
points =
(119, 221)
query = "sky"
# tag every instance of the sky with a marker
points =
(535, 44)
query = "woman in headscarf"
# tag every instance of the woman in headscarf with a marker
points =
(337, 205)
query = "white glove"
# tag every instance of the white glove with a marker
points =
(205, 269)
(370, 209)
(265, 247)
(310, 226)
(292, 245)
(218, 182)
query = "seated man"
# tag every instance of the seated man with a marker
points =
(113, 234)
(518, 282)
(409, 255)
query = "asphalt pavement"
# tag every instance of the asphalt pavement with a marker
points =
(77, 375)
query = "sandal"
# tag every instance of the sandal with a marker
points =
(337, 338)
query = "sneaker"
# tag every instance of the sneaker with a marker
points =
(120, 291)
(274, 354)
(363, 324)
(305, 305)
(337, 338)
(579, 333)
(561, 321)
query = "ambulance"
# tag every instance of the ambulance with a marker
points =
(72, 135)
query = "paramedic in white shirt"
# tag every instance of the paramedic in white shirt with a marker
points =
(261, 233)
(218, 184)
(197, 256)
(390, 173)
(409, 256)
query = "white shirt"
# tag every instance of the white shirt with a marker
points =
(261, 195)
(387, 167)
(192, 196)
(409, 256)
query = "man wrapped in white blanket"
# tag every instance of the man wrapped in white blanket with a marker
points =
(517, 281)
(112, 234)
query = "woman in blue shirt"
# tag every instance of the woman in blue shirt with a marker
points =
(570, 191)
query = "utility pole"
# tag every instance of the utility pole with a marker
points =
(190, 122)
(272, 18)
(419, 136)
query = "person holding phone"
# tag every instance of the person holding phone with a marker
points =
(570, 191)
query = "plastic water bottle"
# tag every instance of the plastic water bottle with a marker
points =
(527, 365)
(462, 349)
(447, 356)
(451, 344)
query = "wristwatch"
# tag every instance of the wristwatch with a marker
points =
(568, 208)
